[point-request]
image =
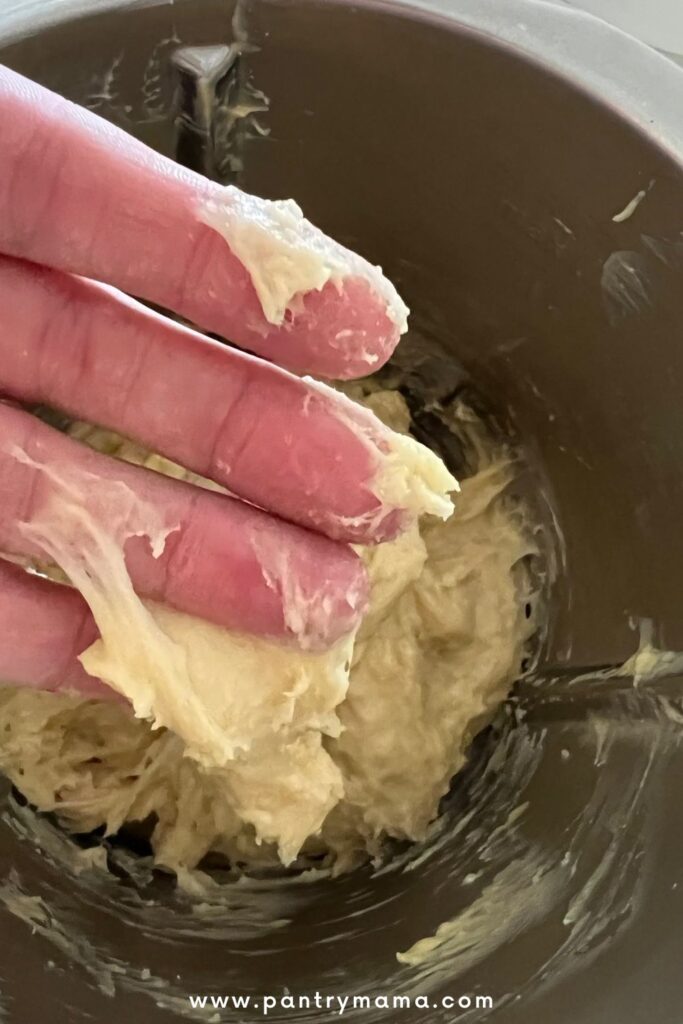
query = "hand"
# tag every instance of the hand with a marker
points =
(80, 202)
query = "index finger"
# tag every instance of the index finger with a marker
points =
(79, 194)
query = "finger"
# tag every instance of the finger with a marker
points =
(222, 560)
(293, 447)
(43, 629)
(81, 195)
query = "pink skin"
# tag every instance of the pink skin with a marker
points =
(45, 627)
(261, 432)
(80, 195)
(215, 565)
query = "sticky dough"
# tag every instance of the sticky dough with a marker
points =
(255, 751)
(287, 256)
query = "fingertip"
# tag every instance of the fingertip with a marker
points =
(309, 303)
(350, 331)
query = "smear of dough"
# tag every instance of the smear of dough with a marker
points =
(287, 256)
(287, 750)
(408, 476)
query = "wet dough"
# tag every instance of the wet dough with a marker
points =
(288, 750)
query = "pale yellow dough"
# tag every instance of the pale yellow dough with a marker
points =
(288, 751)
